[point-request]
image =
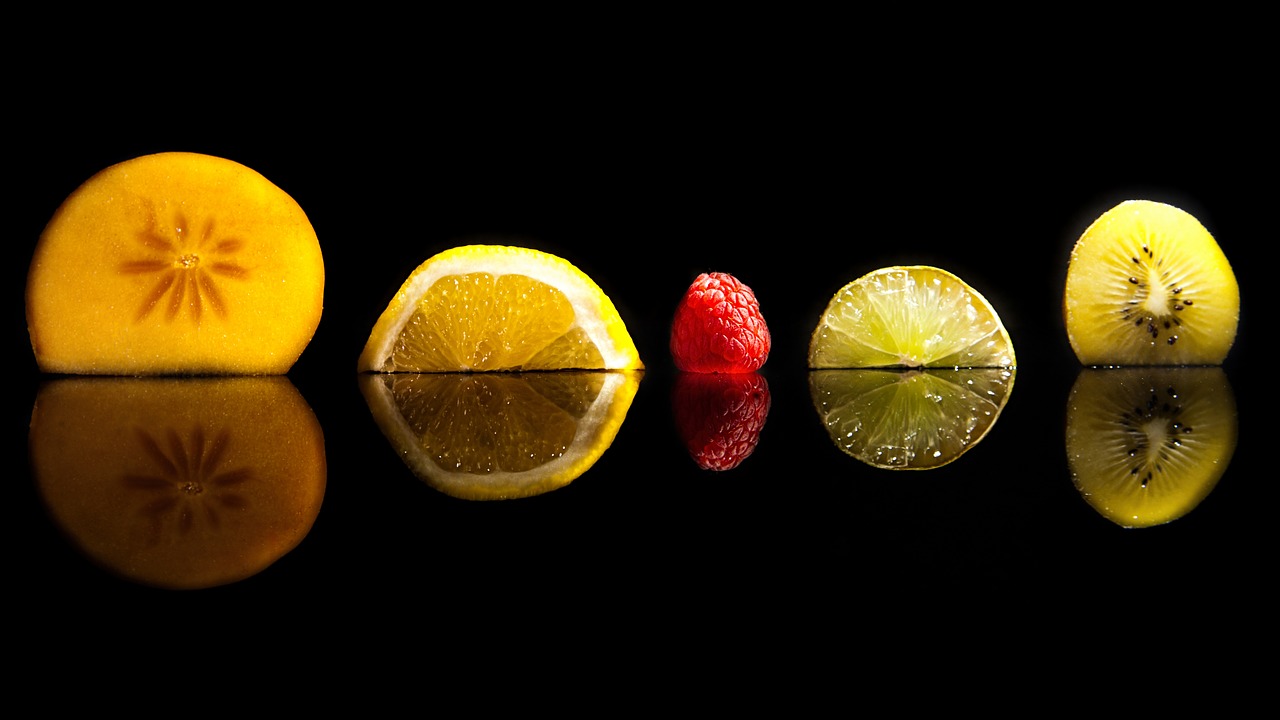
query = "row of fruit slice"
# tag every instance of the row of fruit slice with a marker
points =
(181, 263)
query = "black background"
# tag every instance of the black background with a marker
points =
(796, 163)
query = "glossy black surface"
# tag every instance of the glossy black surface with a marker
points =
(644, 180)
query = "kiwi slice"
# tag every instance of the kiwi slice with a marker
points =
(1148, 285)
(1146, 445)
(909, 419)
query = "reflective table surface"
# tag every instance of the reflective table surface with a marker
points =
(342, 529)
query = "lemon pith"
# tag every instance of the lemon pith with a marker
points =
(175, 263)
(478, 308)
(909, 316)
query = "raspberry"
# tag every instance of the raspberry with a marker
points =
(720, 416)
(718, 327)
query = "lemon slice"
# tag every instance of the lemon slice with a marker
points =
(175, 263)
(496, 436)
(479, 308)
(909, 316)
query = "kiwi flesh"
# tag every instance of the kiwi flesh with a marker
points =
(1147, 284)
(1146, 445)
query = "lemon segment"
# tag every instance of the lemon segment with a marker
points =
(482, 308)
(909, 316)
(175, 263)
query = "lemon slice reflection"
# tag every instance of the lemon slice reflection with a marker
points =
(909, 420)
(179, 483)
(494, 436)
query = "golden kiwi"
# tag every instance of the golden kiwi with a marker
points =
(1148, 285)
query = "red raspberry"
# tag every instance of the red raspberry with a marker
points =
(718, 327)
(720, 416)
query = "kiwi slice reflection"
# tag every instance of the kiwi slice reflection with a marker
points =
(909, 419)
(1146, 445)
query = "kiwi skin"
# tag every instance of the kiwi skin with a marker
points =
(1146, 445)
(1147, 284)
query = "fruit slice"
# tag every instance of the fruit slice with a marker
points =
(909, 420)
(1148, 285)
(179, 482)
(494, 436)
(175, 263)
(1146, 445)
(720, 415)
(495, 308)
(909, 316)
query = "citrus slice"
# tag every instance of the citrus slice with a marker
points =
(477, 308)
(909, 419)
(909, 316)
(496, 436)
(179, 483)
(175, 263)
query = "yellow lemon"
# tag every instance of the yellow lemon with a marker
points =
(909, 316)
(493, 436)
(175, 263)
(478, 308)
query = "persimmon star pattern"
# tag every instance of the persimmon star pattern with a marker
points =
(186, 268)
